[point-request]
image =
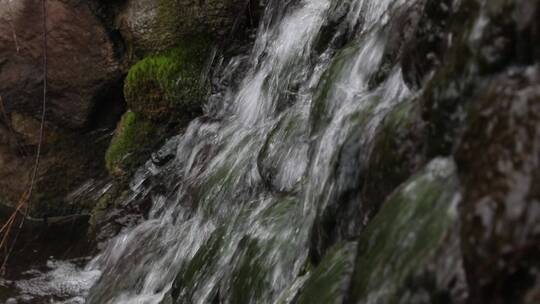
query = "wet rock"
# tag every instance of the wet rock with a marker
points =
(498, 161)
(82, 73)
(169, 87)
(81, 60)
(116, 208)
(486, 38)
(13, 167)
(399, 34)
(482, 99)
(134, 139)
(27, 126)
(424, 48)
(397, 153)
(263, 264)
(282, 159)
(199, 268)
(345, 205)
(409, 253)
(330, 280)
(160, 159)
(248, 260)
(66, 164)
(149, 25)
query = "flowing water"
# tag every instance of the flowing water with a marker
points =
(233, 212)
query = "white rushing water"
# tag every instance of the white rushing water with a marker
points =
(250, 179)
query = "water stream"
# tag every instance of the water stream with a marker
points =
(249, 179)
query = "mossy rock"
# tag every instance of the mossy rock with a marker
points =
(396, 154)
(255, 246)
(134, 138)
(266, 258)
(328, 88)
(409, 252)
(285, 145)
(199, 269)
(152, 25)
(329, 281)
(108, 201)
(169, 86)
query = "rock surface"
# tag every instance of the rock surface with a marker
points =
(80, 59)
(82, 73)
(482, 106)
(152, 25)
(410, 251)
(501, 208)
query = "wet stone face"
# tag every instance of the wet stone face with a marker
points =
(498, 160)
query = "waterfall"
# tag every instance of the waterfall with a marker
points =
(249, 181)
(236, 219)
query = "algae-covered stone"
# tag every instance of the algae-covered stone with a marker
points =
(396, 154)
(282, 161)
(152, 25)
(268, 256)
(169, 85)
(409, 253)
(253, 257)
(198, 269)
(329, 282)
(134, 138)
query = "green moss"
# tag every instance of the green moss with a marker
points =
(329, 281)
(390, 140)
(287, 138)
(275, 241)
(134, 137)
(104, 204)
(168, 86)
(322, 109)
(396, 154)
(196, 270)
(407, 234)
(249, 280)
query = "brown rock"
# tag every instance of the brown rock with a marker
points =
(29, 128)
(499, 165)
(84, 79)
(14, 168)
(81, 60)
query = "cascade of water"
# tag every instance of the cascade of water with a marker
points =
(244, 190)
(259, 203)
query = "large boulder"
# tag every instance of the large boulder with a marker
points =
(499, 164)
(152, 25)
(409, 252)
(84, 94)
(482, 106)
(81, 61)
